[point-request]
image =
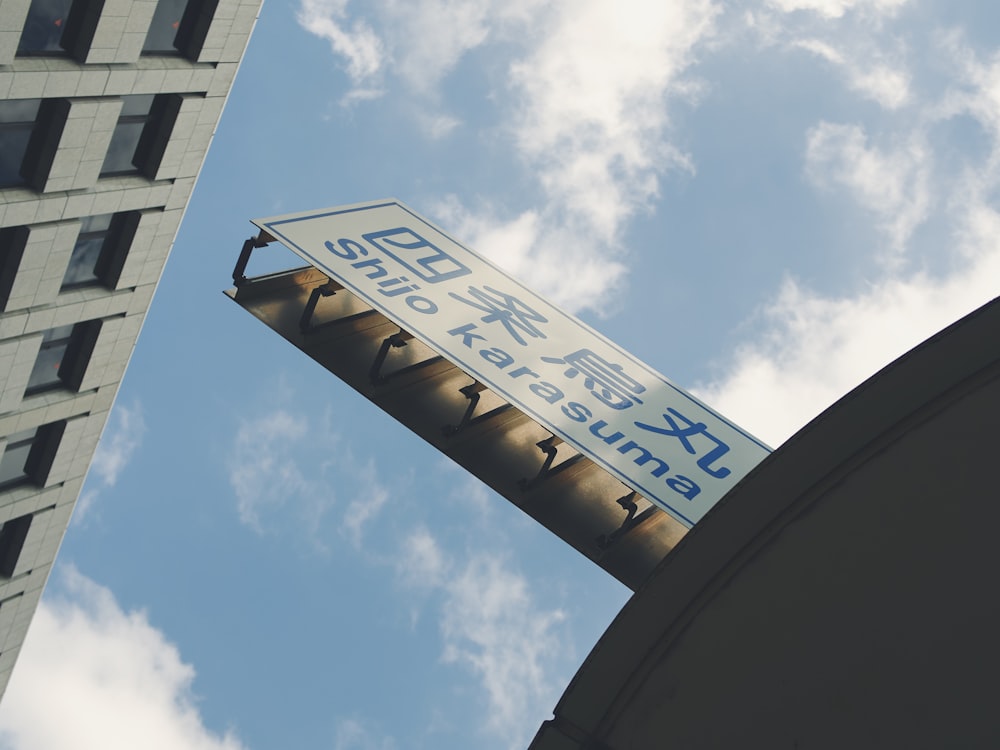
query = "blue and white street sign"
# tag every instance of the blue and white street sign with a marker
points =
(625, 416)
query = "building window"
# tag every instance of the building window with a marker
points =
(12, 536)
(29, 455)
(83, 263)
(17, 120)
(45, 374)
(63, 357)
(12, 241)
(100, 250)
(162, 36)
(43, 28)
(14, 461)
(180, 27)
(120, 159)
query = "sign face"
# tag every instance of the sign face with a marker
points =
(629, 419)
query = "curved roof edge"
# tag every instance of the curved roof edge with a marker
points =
(921, 383)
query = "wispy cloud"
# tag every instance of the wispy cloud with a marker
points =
(592, 112)
(894, 185)
(423, 563)
(112, 680)
(121, 439)
(371, 497)
(589, 104)
(353, 41)
(289, 471)
(838, 8)
(816, 346)
(590, 121)
(880, 80)
(586, 108)
(265, 470)
(418, 41)
(353, 734)
(492, 625)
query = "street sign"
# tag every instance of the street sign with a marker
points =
(652, 435)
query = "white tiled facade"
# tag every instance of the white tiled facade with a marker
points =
(65, 340)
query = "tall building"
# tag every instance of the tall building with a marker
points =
(107, 109)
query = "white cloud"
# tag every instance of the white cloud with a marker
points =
(591, 124)
(591, 82)
(472, 493)
(429, 37)
(856, 37)
(593, 105)
(423, 563)
(817, 347)
(264, 470)
(886, 83)
(420, 41)
(438, 126)
(976, 92)
(91, 675)
(287, 469)
(562, 263)
(881, 83)
(372, 497)
(593, 87)
(838, 8)
(894, 184)
(356, 43)
(119, 442)
(492, 625)
(352, 734)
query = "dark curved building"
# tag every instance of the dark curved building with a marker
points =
(844, 594)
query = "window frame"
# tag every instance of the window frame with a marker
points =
(124, 129)
(60, 337)
(60, 50)
(13, 534)
(19, 440)
(44, 441)
(21, 127)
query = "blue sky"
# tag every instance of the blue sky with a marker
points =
(766, 201)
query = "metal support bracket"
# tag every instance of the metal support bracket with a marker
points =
(472, 392)
(550, 447)
(326, 289)
(606, 541)
(395, 341)
(239, 272)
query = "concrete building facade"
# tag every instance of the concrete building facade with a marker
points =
(107, 110)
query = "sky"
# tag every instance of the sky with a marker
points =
(765, 201)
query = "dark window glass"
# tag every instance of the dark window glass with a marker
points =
(43, 28)
(82, 270)
(163, 29)
(45, 374)
(15, 457)
(120, 158)
(13, 534)
(17, 119)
